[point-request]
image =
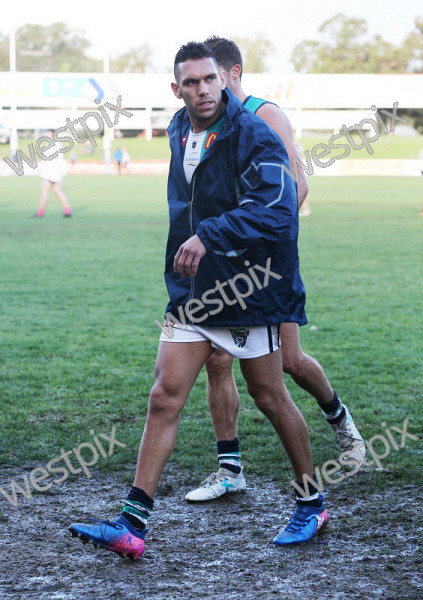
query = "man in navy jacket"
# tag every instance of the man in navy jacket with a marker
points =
(232, 276)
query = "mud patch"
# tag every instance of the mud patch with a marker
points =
(212, 551)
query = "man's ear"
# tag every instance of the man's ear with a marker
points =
(175, 90)
(235, 72)
(223, 79)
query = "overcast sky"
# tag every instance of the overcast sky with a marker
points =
(167, 24)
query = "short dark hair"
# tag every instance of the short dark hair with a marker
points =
(225, 51)
(192, 51)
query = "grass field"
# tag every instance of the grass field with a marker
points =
(387, 146)
(78, 299)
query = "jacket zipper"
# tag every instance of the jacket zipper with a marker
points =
(191, 293)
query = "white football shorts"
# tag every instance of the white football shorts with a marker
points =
(239, 342)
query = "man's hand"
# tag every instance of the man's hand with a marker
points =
(188, 257)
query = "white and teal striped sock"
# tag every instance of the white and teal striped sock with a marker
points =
(229, 455)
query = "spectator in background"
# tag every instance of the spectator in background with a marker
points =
(88, 149)
(72, 157)
(125, 158)
(118, 155)
(51, 173)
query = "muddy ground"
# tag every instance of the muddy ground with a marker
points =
(219, 550)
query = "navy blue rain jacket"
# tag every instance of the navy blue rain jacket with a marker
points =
(243, 207)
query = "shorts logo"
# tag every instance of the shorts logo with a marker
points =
(210, 139)
(239, 336)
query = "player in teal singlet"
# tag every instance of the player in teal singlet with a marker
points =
(307, 373)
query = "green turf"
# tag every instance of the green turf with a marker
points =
(78, 298)
(138, 148)
(387, 146)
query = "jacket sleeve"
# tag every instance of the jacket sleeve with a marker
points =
(267, 204)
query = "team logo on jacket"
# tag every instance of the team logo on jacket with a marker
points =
(210, 139)
(239, 336)
(184, 140)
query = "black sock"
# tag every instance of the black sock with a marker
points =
(229, 455)
(337, 419)
(314, 496)
(333, 407)
(316, 503)
(138, 507)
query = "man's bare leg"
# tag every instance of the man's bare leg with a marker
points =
(223, 401)
(223, 398)
(304, 370)
(177, 367)
(309, 375)
(45, 187)
(265, 384)
(57, 189)
(271, 397)
(222, 395)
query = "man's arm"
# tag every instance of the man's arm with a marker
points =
(267, 202)
(279, 122)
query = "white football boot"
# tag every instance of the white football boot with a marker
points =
(217, 484)
(349, 440)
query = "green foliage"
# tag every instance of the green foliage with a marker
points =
(413, 49)
(344, 47)
(55, 47)
(415, 116)
(58, 47)
(254, 52)
(135, 60)
(78, 298)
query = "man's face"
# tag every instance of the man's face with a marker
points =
(200, 86)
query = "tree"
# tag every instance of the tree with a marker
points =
(413, 47)
(254, 53)
(4, 53)
(135, 60)
(344, 47)
(54, 47)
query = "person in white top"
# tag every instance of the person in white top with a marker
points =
(51, 173)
